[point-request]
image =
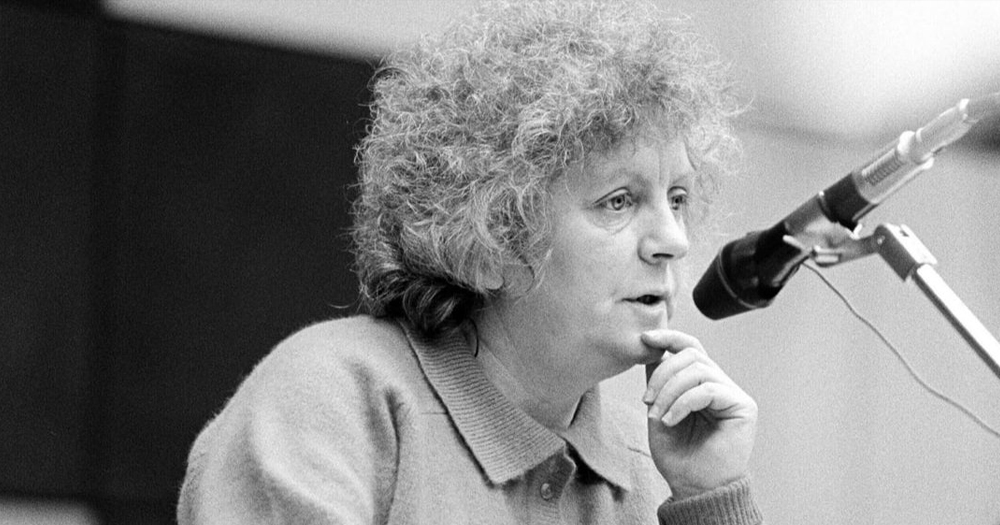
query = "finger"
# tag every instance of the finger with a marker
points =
(672, 341)
(720, 401)
(658, 375)
(685, 379)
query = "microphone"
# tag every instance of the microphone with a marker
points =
(749, 272)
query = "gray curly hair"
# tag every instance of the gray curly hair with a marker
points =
(470, 127)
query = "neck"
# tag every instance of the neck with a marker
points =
(532, 378)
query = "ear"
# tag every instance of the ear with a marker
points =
(518, 278)
(491, 280)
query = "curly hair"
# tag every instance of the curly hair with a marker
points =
(470, 127)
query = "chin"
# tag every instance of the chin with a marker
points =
(634, 352)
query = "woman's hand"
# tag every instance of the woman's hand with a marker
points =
(701, 424)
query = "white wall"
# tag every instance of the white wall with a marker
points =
(846, 435)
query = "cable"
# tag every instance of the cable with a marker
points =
(913, 373)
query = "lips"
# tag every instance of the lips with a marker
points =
(653, 303)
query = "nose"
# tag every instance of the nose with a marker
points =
(664, 237)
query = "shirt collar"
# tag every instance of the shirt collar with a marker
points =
(505, 441)
(598, 441)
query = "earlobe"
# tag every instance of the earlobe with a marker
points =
(491, 280)
(517, 278)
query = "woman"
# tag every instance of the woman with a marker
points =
(527, 183)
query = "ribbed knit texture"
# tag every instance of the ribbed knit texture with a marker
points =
(504, 439)
(357, 421)
(729, 505)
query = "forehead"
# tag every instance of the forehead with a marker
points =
(643, 155)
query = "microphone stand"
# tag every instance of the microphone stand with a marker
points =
(909, 258)
(904, 252)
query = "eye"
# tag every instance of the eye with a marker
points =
(678, 198)
(618, 201)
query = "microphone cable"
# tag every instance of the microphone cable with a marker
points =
(895, 351)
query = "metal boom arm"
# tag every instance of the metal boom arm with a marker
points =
(909, 258)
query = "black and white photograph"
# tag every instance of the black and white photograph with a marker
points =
(366, 262)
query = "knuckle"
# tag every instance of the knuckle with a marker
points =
(693, 350)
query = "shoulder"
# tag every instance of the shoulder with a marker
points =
(337, 366)
(358, 372)
(334, 348)
(348, 338)
(327, 404)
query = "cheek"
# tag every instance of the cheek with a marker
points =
(587, 259)
(591, 266)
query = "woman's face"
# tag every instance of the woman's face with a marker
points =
(619, 231)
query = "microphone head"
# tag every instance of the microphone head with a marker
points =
(747, 274)
(715, 295)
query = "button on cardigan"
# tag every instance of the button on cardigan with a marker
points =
(361, 421)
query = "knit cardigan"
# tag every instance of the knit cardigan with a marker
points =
(361, 421)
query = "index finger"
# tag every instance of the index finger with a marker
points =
(672, 341)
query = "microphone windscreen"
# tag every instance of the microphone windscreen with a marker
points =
(714, 295)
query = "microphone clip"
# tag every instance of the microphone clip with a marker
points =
(900, 248)
(847, 249)
(898, 245)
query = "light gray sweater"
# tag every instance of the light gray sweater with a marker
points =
(360, 421)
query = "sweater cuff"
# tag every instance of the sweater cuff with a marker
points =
(731, 504)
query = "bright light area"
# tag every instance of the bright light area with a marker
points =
(353, 27)
(853, 60)
(850, 68)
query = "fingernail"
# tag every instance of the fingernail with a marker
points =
(648, 397)
(668, 418)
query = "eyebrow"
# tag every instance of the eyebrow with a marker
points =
(630, 173)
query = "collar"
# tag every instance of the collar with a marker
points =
(505, 441)
(598, 441)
